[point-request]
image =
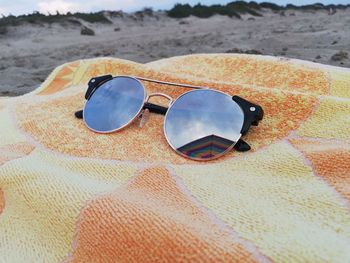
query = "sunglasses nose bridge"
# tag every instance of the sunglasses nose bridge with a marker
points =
(160, 95)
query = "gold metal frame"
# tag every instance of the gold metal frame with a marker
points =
(171, 102)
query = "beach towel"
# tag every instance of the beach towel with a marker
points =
(68, 194)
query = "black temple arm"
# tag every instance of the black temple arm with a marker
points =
(94, 83)
(253, 113)
(241, 146)
(79, 114)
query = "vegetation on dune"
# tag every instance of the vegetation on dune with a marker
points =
(38, 18)
(147, 11)
(92, 17)
(244, 7)
(316, 6)
(271, 6)
(235, 9)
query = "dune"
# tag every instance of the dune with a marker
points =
(31, 49)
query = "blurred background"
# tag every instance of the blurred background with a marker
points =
(37, 36)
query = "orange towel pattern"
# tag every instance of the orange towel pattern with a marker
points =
(70, 195)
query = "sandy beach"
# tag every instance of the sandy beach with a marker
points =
(30, 52)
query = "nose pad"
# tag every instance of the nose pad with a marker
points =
(144, 116)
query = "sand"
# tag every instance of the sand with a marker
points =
(30, 52)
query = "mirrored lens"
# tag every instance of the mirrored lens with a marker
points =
(114, 104)
(203, 124)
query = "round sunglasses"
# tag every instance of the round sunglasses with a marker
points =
(201, 124)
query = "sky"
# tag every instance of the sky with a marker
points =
(19, 7)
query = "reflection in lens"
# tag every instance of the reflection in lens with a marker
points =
(203, 124)
(114, 104)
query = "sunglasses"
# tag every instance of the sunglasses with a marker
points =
(201, 124)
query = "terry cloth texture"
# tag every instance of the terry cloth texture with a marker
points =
(70, 195)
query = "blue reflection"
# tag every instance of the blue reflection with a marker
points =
(114, 104)
(203, 123)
